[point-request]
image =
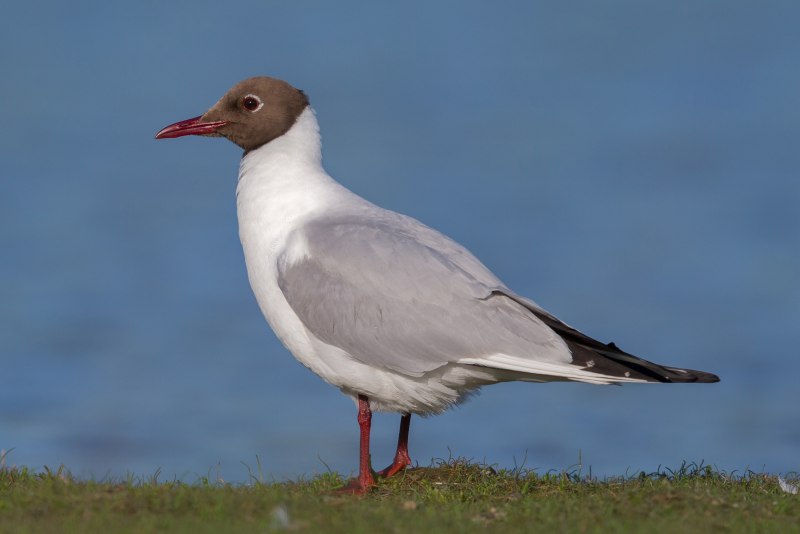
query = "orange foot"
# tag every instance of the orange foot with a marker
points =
(357, 486)
(401, 461)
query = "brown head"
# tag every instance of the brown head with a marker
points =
(251, 114)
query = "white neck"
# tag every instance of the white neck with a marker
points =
(288, 170)
(300, 146)
(282, 185)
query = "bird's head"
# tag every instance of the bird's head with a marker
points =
(251, 114)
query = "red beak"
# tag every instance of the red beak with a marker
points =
(190, 127)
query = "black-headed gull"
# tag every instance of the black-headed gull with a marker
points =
(396, 315)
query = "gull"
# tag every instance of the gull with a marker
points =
(398, 316)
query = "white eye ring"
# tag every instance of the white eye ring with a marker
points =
(254, 97)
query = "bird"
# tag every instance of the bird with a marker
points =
(395, 314)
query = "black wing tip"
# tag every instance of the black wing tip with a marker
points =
(692, 376)
(676, 376)
(610, 360)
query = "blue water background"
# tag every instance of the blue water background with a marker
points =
(631, 166)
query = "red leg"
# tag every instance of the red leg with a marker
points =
(401, 458)
(365, 480)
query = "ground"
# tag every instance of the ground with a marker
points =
(448, 496)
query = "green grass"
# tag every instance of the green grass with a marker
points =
(449, 496)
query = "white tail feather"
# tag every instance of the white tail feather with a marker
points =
(545, 369)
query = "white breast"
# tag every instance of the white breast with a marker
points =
(281, 186)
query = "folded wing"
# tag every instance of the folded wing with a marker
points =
(397, 295)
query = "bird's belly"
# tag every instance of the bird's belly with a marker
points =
(387, 390)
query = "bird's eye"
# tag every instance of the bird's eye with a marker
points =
(252, 103)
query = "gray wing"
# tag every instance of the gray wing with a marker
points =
(396, 294)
